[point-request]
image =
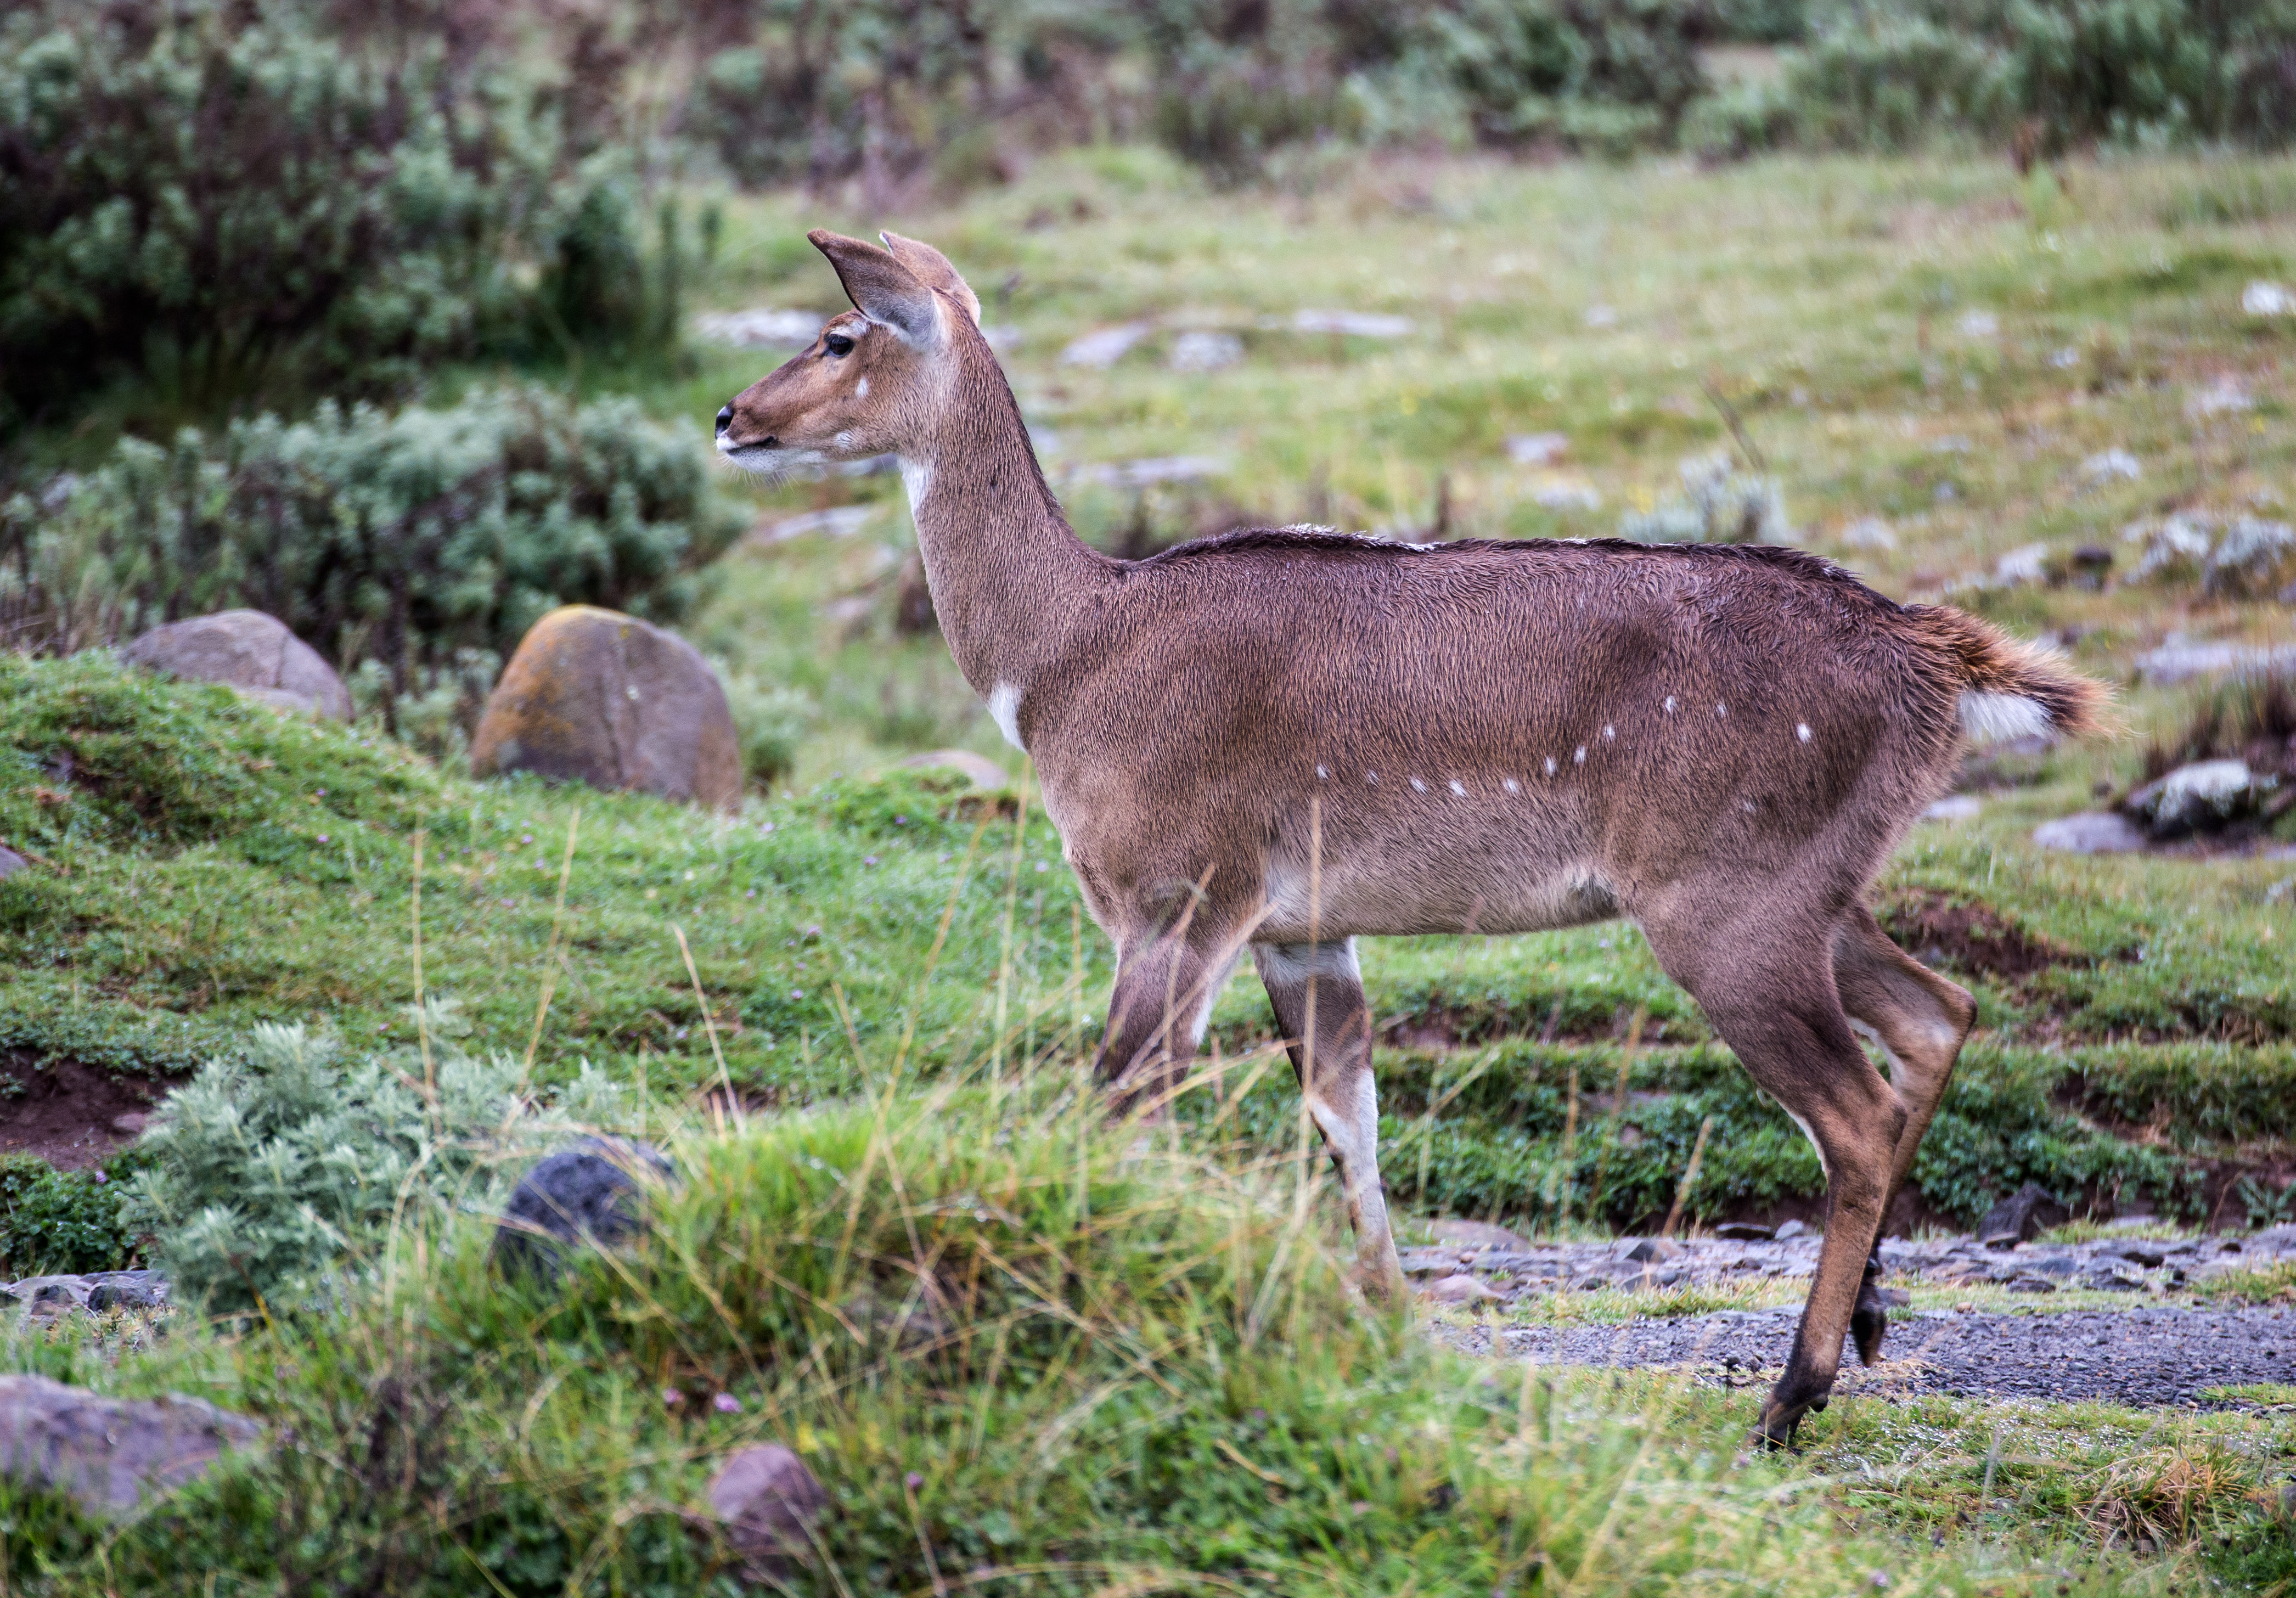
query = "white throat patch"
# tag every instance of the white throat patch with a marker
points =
(1004, 702)
(917, 475)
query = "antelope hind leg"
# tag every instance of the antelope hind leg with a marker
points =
(1164, 991)
(1771, 998)
(1921, 1021)
(1335, 1077)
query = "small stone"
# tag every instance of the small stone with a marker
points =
(1746, 1232)
(2112, 465)
(1654, 1250)
(2022, 566)
(10, 862)
(109, 1454)
(250, 652)
(2265, 299)
(1104, 347)
(2032, 1284)
(1203, 351)
(768, 1503)
(2255, 558)
(131, 1124)
(1953, 806)
(588, 1194)
(1536, 449)
(1353, 324)
(1791, 1229)
(2092, 832)
(762, 327)
(1980, 325)
(127, 1290)
(1868, 533)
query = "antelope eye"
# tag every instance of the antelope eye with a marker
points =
(838, 344)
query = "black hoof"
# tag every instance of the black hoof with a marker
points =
(1869, 1323)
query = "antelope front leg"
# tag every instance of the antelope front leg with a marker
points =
(1317, 993)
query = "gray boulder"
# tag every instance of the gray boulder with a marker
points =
(768, 1503)
(109, 1454)
(590, 1195)
(2201, 797)
(248, 651)
(10, 862)
(594, 696)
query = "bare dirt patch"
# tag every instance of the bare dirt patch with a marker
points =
(73, 1116)
(1937, 929)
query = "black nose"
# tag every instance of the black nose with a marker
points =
(724, 417)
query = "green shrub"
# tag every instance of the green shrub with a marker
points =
(230, 198)
(1889, 85)
(2092, 69)
(411, 539)
(56, 1222)
(265, 1174)
(1605, 75)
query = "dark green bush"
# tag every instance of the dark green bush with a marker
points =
(228, 198)
(421, 541)
(55, 1222)
(1599, 74)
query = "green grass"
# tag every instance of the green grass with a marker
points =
(2276, 1393)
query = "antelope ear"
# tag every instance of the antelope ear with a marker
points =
(933, 269)
(880, 288)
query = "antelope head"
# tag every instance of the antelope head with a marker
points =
(875, 381)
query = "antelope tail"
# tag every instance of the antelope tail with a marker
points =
(2010, 689)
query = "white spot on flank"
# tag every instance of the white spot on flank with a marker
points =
(1609, 734)
(1372, 777)
(1580, 758)
(861, 389)
(1999, 717)
(1721, 709)
(1550, 766)
(1669, 704)
(1801, 731)
(917, 476)
(1323, 773)
(1004, 711)
(844, 440)
(1512, 786)
(1747, 806)
(1458, 788)
(1417, 786)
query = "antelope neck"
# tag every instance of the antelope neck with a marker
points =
(1006, 569)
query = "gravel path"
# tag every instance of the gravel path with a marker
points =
(2147, 1356)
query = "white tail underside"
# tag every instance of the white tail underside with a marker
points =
(2002, 717)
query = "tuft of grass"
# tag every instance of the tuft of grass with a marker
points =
(2251, 1392)
(2265, 1284)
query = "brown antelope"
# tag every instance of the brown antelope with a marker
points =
(1292, 738)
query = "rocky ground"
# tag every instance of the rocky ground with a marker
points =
(2158, 1351)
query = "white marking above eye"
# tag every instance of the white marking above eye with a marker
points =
(861, 389)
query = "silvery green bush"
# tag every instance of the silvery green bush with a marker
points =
(270, 1172)
(424, 542)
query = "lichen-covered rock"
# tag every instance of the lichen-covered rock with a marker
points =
(248, 651)
(2256, 559)
(598, 697)
(108, 1454)
(2201, 797)
(588, 1195)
